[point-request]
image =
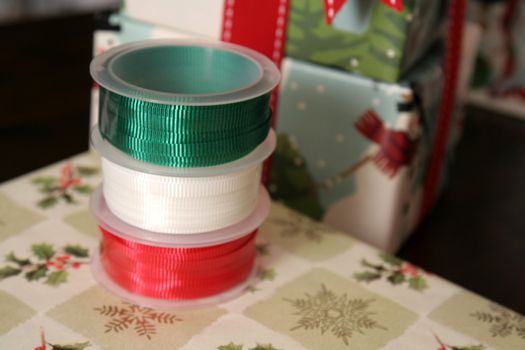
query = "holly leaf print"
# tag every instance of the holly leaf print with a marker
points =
(47, 202)
(394, 270)
(47, 182)
(263, 347)
(76, 250)
(87, 170)
(444, 346)
(57, 277)
(262, 249)
(266, 274)
(74, 346)
(84, 189)
(37, 273)
(396, 278)
(367, 276)
(390, 259)
(8, 271)
(14, 259)
(377, 267)
(417, 283)
(230, 346)
(68, 198)
(468, 347)
(43, 251)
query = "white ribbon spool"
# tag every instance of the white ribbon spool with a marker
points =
(180, 205)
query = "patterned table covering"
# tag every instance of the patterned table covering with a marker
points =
(315, 288)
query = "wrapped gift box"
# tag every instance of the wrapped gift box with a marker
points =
(380, 39)
(353, 152)
(200, 17)
(259, 25)
(377, 39)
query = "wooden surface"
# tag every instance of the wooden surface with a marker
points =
(475, 237)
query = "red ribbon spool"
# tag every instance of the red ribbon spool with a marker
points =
(177, 273)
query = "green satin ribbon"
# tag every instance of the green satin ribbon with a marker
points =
(178, 134)
(183, 136)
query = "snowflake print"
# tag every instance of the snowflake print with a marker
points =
(341, 316)
(396, 272)
(62, 188)
(47, 263)
(142, 319)
(295, 225)
(502, 321)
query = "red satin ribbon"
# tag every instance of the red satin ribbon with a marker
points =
(331, 8)
(259, 25)
(177, 273)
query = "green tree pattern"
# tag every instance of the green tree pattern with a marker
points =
(291, 181)
(377, 53)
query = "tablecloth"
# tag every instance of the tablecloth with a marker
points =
(314, 287)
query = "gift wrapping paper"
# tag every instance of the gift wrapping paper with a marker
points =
(353, 152)
(315, 288)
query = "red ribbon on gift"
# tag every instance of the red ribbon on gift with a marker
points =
(177, 273)
(438, 155)
(394, 4)
(332, 8)
(259, 25)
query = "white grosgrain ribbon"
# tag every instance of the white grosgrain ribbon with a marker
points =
(180, 205)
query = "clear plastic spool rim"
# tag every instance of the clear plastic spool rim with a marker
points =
(101, 69)
(108, 221)
(106, 282)
(110, 152)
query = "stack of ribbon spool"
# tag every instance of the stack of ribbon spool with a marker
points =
(183, 131)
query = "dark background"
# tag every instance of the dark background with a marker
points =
(475, 236)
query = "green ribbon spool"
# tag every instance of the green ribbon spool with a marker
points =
(181, 104)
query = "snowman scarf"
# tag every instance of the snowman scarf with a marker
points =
(396, 148)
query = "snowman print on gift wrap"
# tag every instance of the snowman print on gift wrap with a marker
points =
(383, 204)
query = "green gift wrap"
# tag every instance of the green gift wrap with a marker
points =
(353, 152)
(373, 38)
